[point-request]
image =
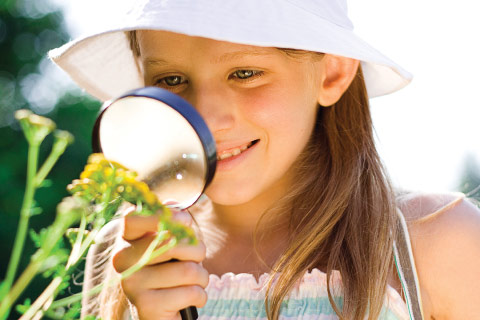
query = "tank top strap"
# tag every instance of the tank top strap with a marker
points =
(405, 266)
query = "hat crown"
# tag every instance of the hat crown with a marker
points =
(335, 11)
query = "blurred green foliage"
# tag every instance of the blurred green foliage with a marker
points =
(28, 29)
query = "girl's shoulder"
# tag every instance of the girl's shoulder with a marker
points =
(445, 235)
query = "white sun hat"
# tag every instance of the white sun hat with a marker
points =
(103, 64)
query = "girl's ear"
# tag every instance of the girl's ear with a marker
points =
(337, 74)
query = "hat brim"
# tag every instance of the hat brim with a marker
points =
(104, 65)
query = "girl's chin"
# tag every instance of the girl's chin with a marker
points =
(222, 197)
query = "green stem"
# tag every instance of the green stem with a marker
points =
(88, 242)
(75, 253)
(57, 150)
(39, 307)
(149, 254)
(33, 151)
(79, 248)
(43, 300)
(56, 232)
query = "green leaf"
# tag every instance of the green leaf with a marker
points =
(22, 308)
(64, 285)
(59, 313)
(73, 312)
(54, 264)
(35, 211)
(38, 238)
(45, 183)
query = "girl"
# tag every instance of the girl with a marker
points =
(300, 220)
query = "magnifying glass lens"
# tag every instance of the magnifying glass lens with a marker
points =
(165, 142)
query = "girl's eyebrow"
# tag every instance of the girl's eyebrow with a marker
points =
(226, 57)
(155, 61)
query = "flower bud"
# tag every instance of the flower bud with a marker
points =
(35, 127)
(65, 136)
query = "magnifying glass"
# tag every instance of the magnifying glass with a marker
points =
(165, 140)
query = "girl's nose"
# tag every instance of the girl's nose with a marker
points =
(215, 107)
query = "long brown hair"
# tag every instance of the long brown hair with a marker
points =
(341, 210)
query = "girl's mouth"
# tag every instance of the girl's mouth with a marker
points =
(235, 152)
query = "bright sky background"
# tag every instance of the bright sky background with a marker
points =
(426, 130)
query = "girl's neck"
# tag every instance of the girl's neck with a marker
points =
(241, 251)
(230, 234)
(242, 219)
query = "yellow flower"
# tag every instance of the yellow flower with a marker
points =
(102, 176)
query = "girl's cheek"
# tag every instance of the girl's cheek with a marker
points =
(267, 105)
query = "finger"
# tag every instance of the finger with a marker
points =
(130, 253)
(172, 300)
(136, 226)
(183, 252)
(167, 275)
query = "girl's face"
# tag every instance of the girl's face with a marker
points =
(259, 103)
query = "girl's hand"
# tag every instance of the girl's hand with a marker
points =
(162, 287)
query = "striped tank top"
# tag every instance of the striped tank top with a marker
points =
(241, 296)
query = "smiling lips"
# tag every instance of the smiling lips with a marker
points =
(234, 152)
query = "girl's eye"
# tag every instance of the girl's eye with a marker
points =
(171, 81)
(245, 74)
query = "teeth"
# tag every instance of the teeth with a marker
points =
(234, 152)
(225, 156)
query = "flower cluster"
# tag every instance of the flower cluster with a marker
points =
(104, 179)
(102, 176)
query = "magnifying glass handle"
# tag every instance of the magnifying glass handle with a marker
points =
(189, 313)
